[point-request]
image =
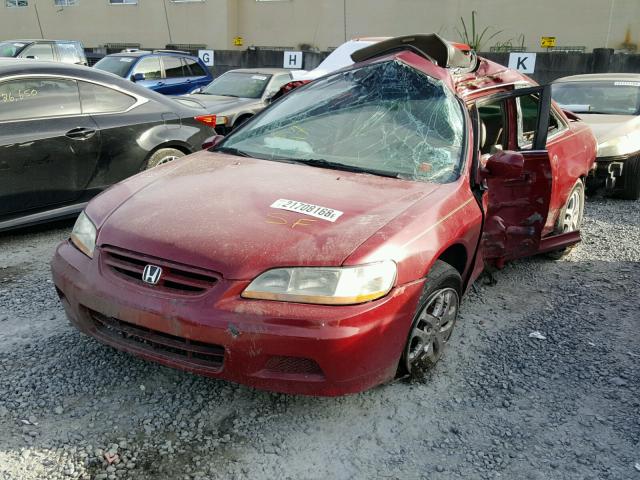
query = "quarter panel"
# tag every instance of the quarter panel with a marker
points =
(415, 239)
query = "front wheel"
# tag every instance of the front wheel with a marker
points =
(162, 156)
(434, 320)
(570, 219)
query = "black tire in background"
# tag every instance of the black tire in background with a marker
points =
(631, 179)
(443, 282)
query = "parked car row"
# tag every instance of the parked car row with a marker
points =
(609, 103)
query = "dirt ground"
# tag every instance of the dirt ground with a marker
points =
(500, 404)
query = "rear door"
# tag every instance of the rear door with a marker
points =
(197, 76)
(127, 123)
(175, 78)
(48, 148)
(515, 206)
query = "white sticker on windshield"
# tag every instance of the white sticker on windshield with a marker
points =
(324, 213)
(627, 84)
(126, 59)
(259, 77)
(19, 45)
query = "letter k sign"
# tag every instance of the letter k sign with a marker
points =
(523, 62)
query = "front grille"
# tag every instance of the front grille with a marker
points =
(198, 353)
(175, 278)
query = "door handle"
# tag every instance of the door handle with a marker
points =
(159, 84)
(80, 133)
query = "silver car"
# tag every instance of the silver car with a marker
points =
(610, 104)
(237, 95)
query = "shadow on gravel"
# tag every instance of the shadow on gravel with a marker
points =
(499, 402)
(36, 229)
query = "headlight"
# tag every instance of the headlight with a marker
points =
(324, 285)
(83, 235)
(624, 145)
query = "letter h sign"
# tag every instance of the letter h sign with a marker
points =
(292, 60)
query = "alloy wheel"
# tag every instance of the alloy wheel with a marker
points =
(432, 329)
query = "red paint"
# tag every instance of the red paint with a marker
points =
(210, 212)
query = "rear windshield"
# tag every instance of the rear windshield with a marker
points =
(11, 49)
(237, 84)
(609, 97)
(118, 65)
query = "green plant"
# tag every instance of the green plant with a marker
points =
(471, 37)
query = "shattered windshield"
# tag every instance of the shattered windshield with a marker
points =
(386, 118)
(612, 97)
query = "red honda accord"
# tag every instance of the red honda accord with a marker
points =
(325, 245)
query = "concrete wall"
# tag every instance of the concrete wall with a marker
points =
(96, 22)
(549, 66)
(323, 23)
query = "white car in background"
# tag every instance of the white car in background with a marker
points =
(339, 58)
(610, 104)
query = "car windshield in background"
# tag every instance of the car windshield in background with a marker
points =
(237, 84)
(10, 49)
(612, 97)
(118, 65)
(386, 119)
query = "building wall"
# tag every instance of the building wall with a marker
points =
(96, 22)
(322, 23)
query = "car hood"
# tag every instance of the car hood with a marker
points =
(214, 211)
(218, 103)
(606, 127)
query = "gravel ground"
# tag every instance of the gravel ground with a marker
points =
(500, 404)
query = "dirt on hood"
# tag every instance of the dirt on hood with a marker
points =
(215, 211)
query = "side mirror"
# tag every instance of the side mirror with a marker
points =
(137, 77)
(212, 142)
(504, 164)
(196, 90)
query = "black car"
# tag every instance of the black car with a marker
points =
(66, 51)
(67, 132)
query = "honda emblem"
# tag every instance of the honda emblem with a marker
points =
(151, 274)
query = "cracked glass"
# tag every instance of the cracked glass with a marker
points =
(386, 118)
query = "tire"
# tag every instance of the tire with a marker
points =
(631, 178)
(162, 156)
(434, 320)
(570, 218)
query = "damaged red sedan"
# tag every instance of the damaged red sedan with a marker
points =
(325, 246)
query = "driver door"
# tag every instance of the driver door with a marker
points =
(514, 174)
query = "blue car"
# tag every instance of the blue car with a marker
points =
(165, 71)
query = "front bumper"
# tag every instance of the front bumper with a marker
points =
(284, 347)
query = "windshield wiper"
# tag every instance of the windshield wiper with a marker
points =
(233, 151)
(317, 162)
